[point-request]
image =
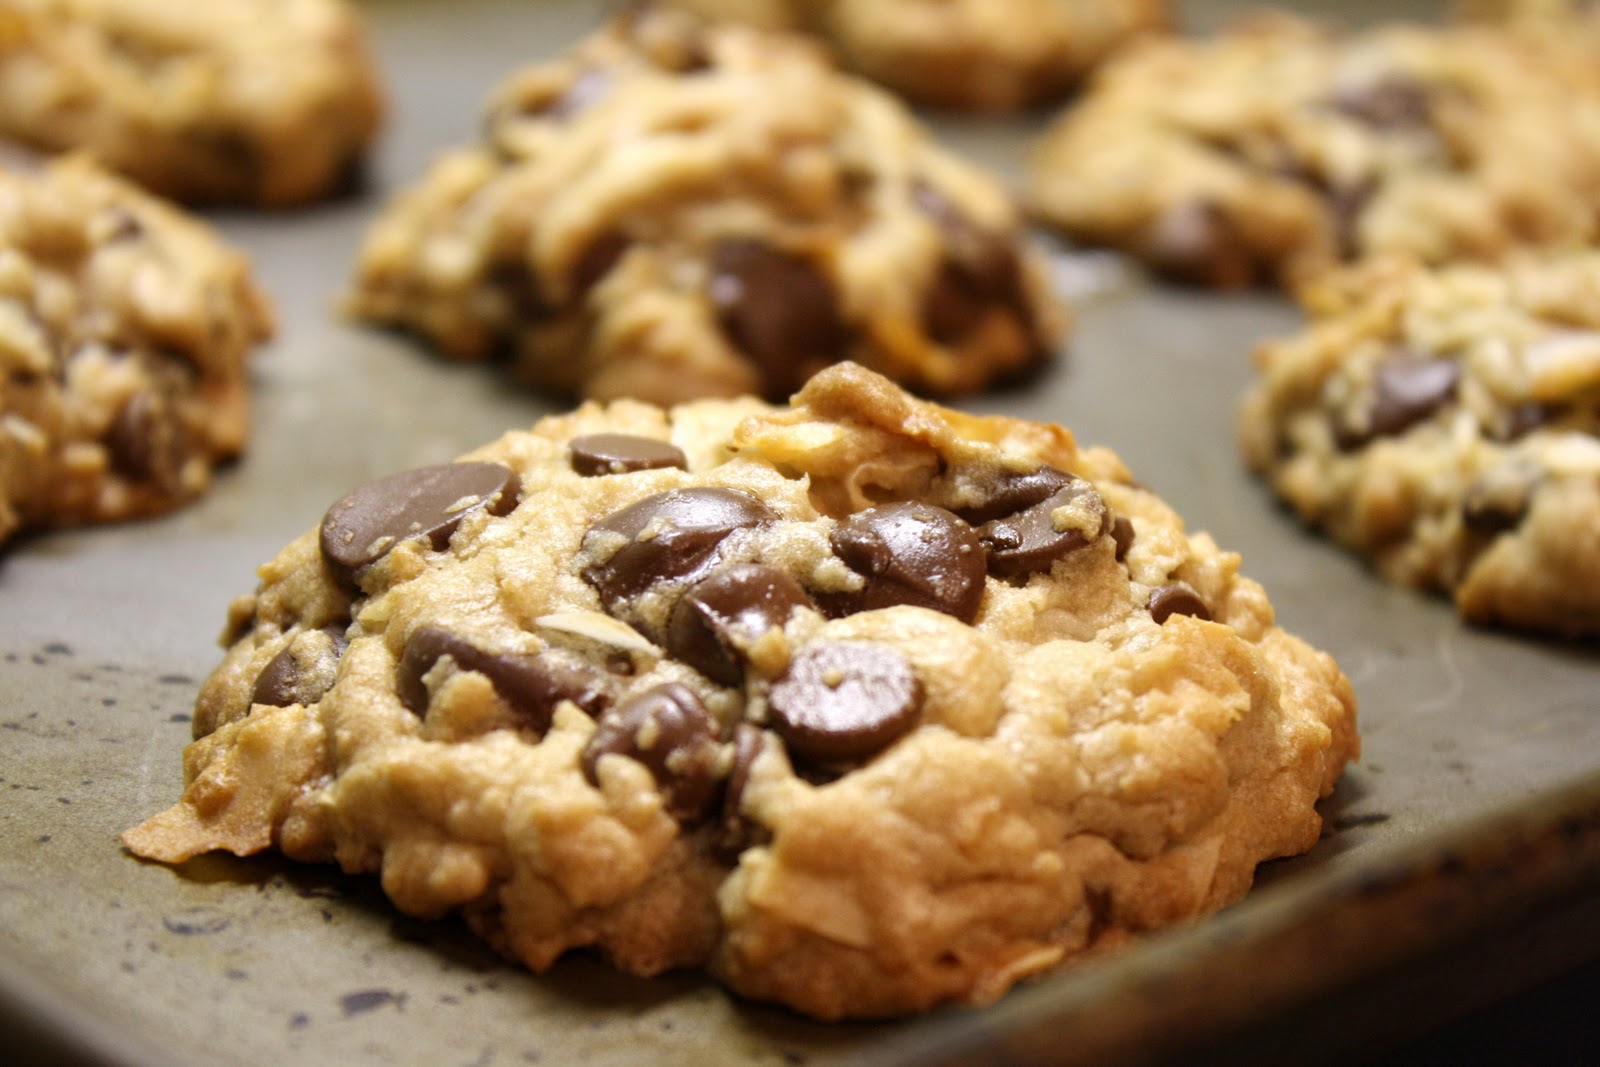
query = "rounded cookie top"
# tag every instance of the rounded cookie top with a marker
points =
(1446, 423)
(124, 329)
(1444, 143)
(674, 209)
(981, 55)
(268, 102)
(865, 704)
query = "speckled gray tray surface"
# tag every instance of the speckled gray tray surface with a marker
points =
(1479, 789)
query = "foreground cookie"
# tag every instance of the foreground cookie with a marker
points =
(124, 328)
(1278, 150)
(864, 704)
(984, 55)
(269, 102)
(673, 210)
(1447, 425)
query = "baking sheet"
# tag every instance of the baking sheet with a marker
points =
(1476, 804)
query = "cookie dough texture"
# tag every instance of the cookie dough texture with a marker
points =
(265, 102)
(1277, 150)
(980, 55)
(124, 329)
(1446, 424)
(674, 209)
(864, 704)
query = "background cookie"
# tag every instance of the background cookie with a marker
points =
(865, 704)
(124, 328)
(674, 209)
(269, 102)
(984, 55)
(1447, 425)
(1277, 149)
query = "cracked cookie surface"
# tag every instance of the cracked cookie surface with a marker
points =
(1446, 424)
(1442, 143)
(981, 55)
(267, 102)
(673, 209)
(864, 704)
(124, 330)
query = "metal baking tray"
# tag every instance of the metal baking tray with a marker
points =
(1470, 828)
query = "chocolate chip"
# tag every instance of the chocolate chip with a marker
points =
(1498, 500)
(844, 700)
(1122, 534)
(1178, 598)
(1008, 493)
(979, 274)
(1194, 241)
(779, 310)
(283, 681)
(531, 683)
(1405, 390)
(145, 443)
(670, 731)
(597, 259)
(736, 833)
(1394, 102)
(721, 616)
(429, 502)
(1033, 539)
(667, 535)
(1525, 418)
(913, 554)
(622, 453)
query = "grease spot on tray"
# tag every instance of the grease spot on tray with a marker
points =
(364, 1000)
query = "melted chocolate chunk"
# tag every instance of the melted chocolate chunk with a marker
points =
(979, 275)
(531, 683)
(1122, 534)
(622, 453)
(777, 309)
(1010, 493)
(145, 443)
(736, 833)
(668, 535)
(282, 681)
(670, 731)
(844, 700)
(1031, 540)
(721, 616)
(1406, 391)
(1176, 599)
(913, 554)
(1395, 102)
(429, 502)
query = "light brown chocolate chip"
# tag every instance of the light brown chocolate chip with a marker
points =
(622, 453)
(1179, 598)
(531, 683)
(844, 700)
(283, 682)
(721, 616)
(777, 309)
(913, 554)
(429, 502)
(666, 536)
(1033, 539)
(670, 731)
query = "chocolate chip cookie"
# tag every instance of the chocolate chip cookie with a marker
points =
(269, 102)
(864, 704)
(124, 329)
(1446, 424)
(981, 55)
(1277, 150)
(674, 209)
